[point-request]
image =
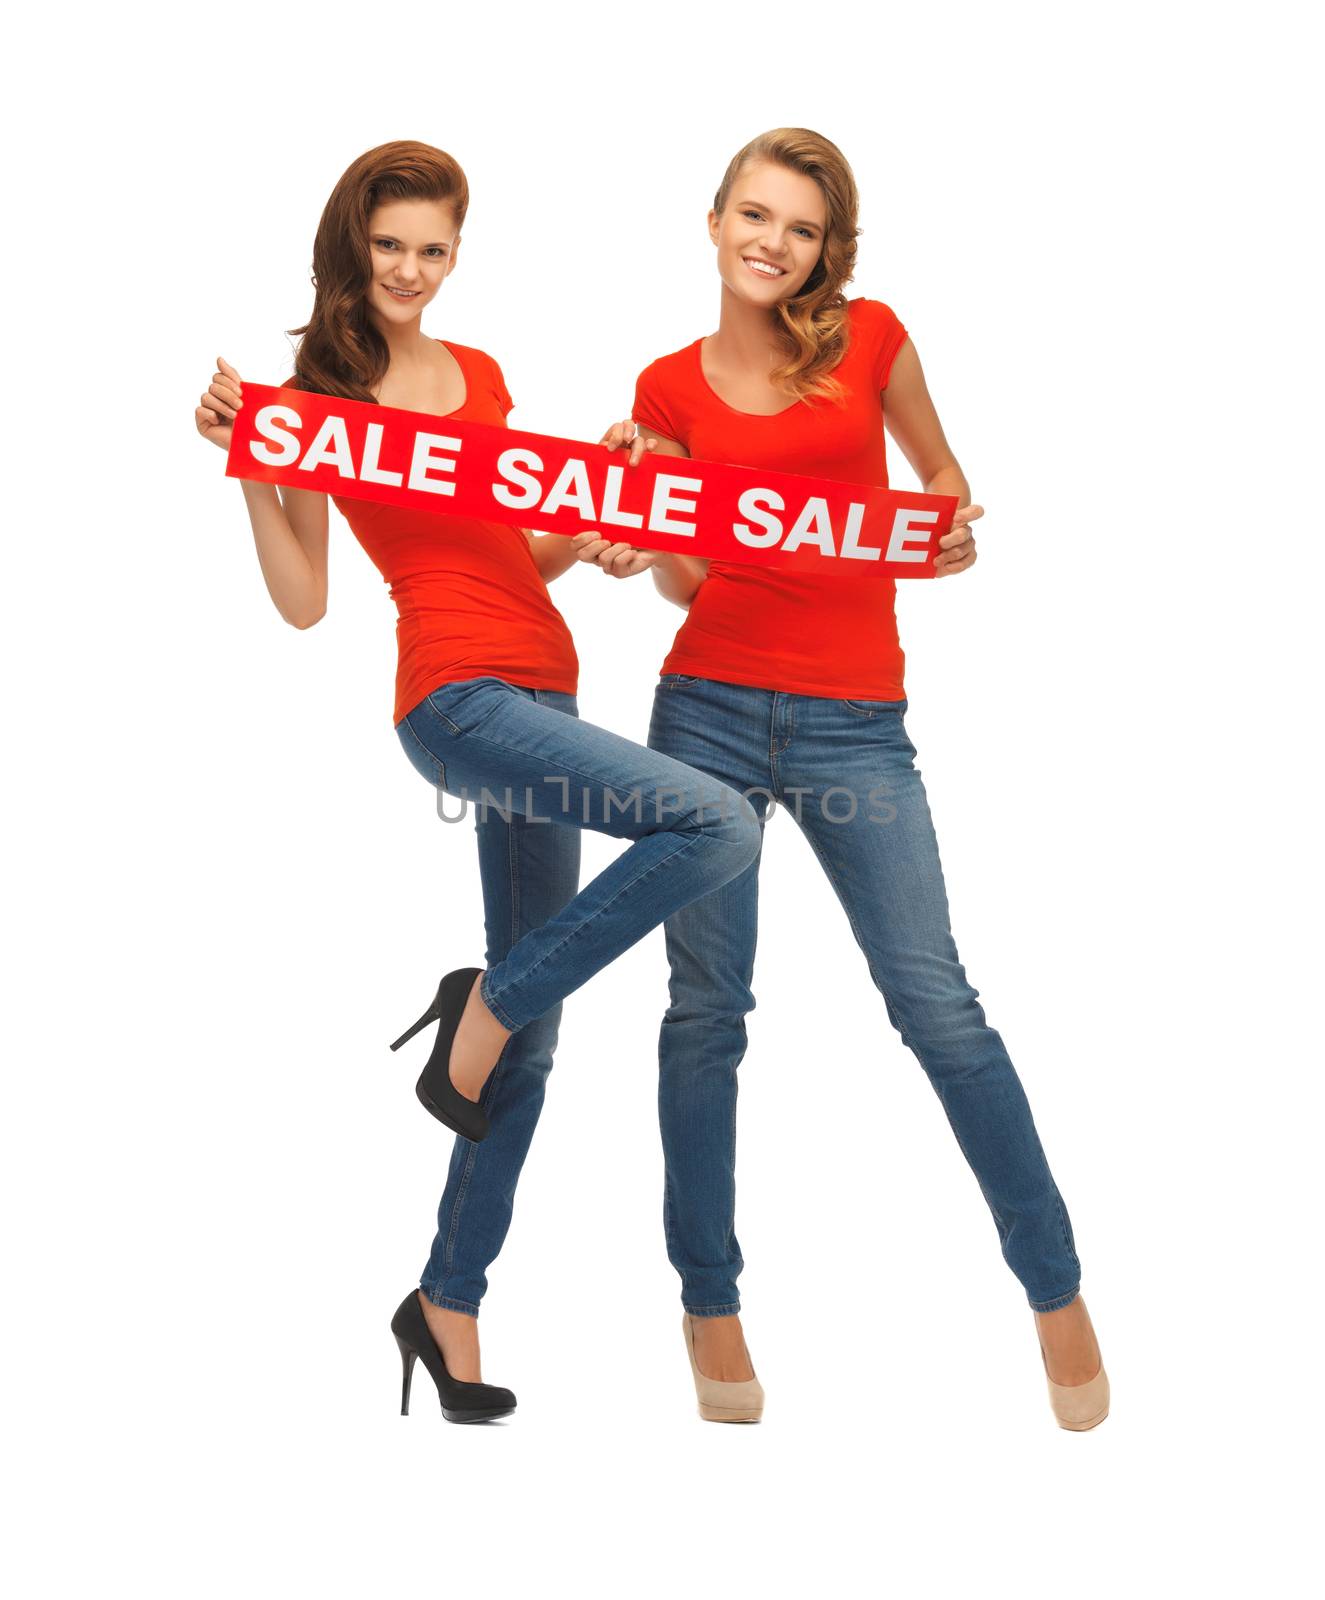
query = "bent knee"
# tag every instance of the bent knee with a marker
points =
(695, 1037)
(733, 821)
(710, 1005)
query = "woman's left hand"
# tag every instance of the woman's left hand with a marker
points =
(626, 436)
(957, 549)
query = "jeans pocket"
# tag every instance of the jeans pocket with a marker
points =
(423, 761)
(460, 706)
(677, 680)
(874, 708)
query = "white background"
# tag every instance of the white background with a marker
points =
(228, 889)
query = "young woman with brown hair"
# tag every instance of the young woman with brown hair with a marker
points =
(484, 702)
(790, 688)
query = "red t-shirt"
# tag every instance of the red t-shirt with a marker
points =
(833, 635)
(470, 601)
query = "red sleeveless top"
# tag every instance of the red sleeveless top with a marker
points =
(833, 635)
(470, 601)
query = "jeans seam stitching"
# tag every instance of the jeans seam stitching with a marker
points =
(512, 861)
(405, 722)
(457, 1206)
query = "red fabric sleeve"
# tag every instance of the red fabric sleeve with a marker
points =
(499, 388)
(888, 335)
(652, 409)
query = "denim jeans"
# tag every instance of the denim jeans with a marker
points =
(845, 770)
(534, 776)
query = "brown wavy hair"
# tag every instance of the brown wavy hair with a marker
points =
(340, 351)
(812, 326)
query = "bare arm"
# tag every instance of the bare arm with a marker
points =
(291, 540)
(553, 553)
(910, 417)
(289, 529)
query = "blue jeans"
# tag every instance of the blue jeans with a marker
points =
(535, 775)
(845, 770)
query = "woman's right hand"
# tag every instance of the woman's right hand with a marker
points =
(217, 408)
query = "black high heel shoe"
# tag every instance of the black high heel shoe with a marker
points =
(461, 1402)
(434, 1088)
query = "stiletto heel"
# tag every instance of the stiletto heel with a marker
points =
(407, 1359)
(435, 1090)
(430, 1015)
(720, 1401)
(461, 1402)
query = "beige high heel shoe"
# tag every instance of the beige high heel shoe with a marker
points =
(718, 1401)
(1078, 1405)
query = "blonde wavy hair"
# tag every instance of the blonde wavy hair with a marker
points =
(812, 325)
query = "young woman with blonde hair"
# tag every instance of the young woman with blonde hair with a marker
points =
(790, 688)
(484, 704)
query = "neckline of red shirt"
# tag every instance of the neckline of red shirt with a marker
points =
(768, 416)
(463, 374)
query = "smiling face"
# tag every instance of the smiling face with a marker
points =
(414, 244)
(771, 234)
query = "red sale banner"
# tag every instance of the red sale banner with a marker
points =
(470, 469)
